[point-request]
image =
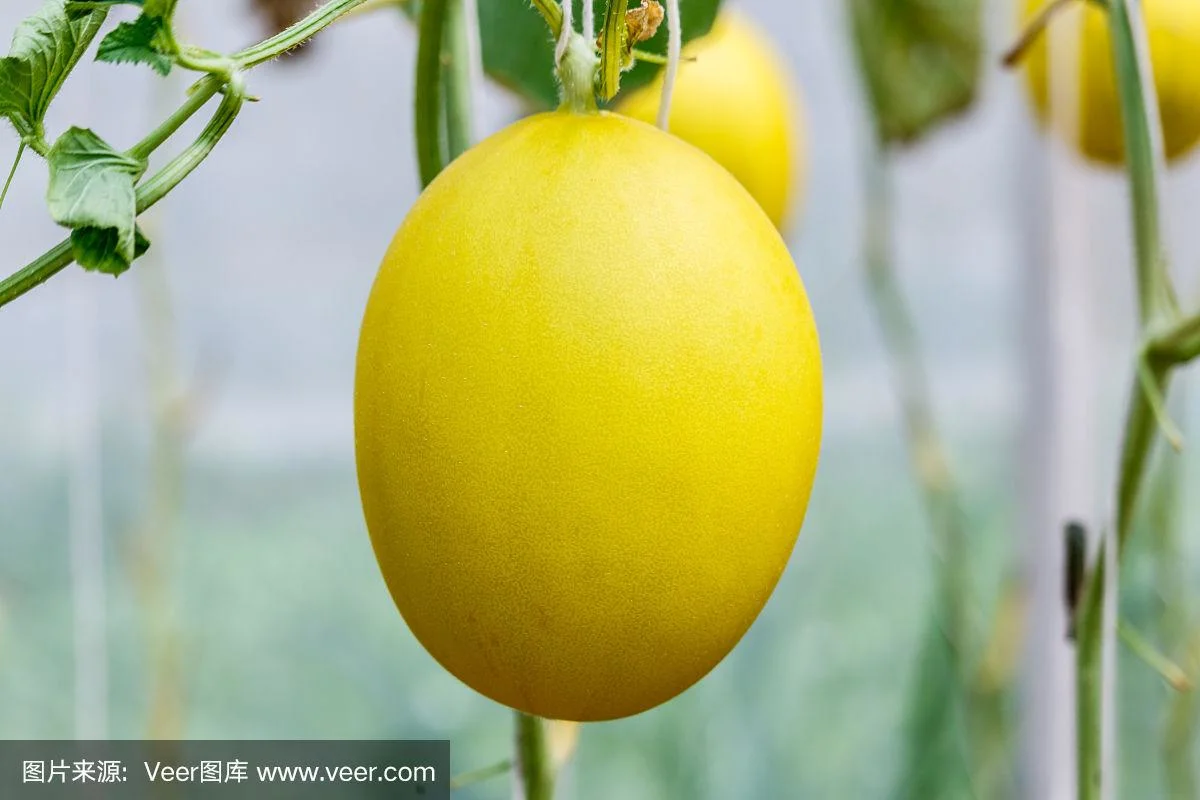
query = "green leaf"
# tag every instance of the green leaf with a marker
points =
(45, 48)
(99, 249)
(92, 191)
(139, 42)
(921, 61)
(518, 50)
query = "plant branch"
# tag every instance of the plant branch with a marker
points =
(1088, 695)
(198, 95)
(535, 770)
(149, 191)
(162, 182)
(1144, 159)
(431, 146)
(1140, 425)
(612, 48)
(36, 272)
(1177, 345)
(370, 6)
(1156, 308)
(224, 76)
(480, 775)
(296, 35)
(456, 79)
(1033, 31)
(12, 172)
(1167, 669)
(1154, 392)
(37, 142)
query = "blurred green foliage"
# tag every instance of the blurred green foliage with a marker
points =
(921, 61)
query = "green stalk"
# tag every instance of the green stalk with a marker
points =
(1141, 424)
(480, 775)
(172, 174)
(612, 53)
(1143, 157)
(199, 94)
(1178, 344)
(296, 35)
(1088, 694)
(1154, 658)
(577, 76)
(1156, 307)
(431, 146)
(12, 172)
(456, 66)
(1034, 30)
(37, 272)
(534, 768)
(149, 191)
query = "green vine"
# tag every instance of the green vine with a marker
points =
(535, 770)
(431, 146)
(96, 191)
(613, 45)
(457, 91)
(12, 172)
(1156, 306)
(1168, 342)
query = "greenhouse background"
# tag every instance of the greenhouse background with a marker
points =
(228, 356)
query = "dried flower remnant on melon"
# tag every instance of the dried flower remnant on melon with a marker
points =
(641, 24)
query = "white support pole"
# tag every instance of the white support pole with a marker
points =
(1059, 452)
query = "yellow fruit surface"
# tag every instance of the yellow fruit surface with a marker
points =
(734, 101)
(587, 421)
(1173, 27)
